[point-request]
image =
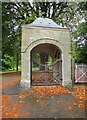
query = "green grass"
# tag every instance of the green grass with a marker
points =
(6, 71)
(10, 70)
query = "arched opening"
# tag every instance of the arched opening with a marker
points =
(46, 65)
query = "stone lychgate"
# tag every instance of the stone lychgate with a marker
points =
(45, 36)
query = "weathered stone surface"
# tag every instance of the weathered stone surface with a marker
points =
(36, 35)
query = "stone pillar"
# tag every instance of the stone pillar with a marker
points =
(66, 69)
(25, 81)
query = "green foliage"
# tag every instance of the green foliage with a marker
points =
(36, 56)
(81, 30)
(75, 53)
(6, 62)
(79, 49)
(14, 14)
(79, 53)
(11, 35)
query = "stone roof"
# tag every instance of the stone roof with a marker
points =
(45, 22)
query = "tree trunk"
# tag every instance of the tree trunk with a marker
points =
(43, 59)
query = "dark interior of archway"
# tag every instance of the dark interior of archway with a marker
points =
(41, 55)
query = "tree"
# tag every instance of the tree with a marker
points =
(17, 13)
(79, 49)
(10, 35)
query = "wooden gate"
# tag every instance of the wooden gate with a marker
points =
(80, 73)
(51, 74)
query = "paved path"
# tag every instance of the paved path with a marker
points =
(10, 76)
(56, 106)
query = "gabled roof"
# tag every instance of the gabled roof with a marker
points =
(45, 22)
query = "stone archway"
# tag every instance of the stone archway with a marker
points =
(64, 55)
(46, 68)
